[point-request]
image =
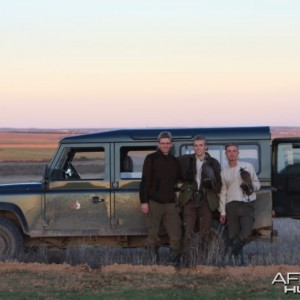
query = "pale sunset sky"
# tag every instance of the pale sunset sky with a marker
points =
(159, 63)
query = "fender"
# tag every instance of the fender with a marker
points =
(17, 212)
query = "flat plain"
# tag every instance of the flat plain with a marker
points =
(117, 273)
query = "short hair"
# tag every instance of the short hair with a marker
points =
(165, 135)
(200, 138)
(231, 144)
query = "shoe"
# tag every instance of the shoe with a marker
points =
(237, 246)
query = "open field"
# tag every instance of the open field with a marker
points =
(37, 281)
(15, 172)
(25, 146)
(40, 145)
(90, 273)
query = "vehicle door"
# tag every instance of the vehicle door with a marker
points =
(78, 195)
(286, 176)
(126, 212)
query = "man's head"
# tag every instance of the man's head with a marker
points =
(232, 152)
(165, 142)
(200, 146)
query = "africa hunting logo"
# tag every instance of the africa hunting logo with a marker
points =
(288, 281)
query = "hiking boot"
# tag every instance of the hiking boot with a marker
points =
(237, 246)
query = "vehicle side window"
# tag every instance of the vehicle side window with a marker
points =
(248, 153)
(288, 158)
(132, 160)
(80, 164)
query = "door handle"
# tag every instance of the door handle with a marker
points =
(97, 200)
(280, 187)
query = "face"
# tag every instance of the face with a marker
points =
(232, 153)
(165, 145)
(199, 147)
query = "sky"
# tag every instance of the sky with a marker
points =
(159, 63)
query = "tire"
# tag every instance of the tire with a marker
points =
(11, 240)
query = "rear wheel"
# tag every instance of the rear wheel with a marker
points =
(11, 240)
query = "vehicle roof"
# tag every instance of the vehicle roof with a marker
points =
(286, 140)
(151, 134)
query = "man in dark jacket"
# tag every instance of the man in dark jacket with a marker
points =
(203, 173)
(157, 195)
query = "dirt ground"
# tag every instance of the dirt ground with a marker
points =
(235, 272)
(62, 281)
(231, 273)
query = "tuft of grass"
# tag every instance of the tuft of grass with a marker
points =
(209, 250)
(25, 154)
(285, 250)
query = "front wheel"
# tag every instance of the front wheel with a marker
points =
(11, 240)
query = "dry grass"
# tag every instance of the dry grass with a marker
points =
(282, 252)
(132, 282)
(28, 146)
(30, 138)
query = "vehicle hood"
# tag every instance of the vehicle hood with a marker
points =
(32, 187)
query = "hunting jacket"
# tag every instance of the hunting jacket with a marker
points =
(188, 170)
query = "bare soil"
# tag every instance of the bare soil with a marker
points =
(44, 280)
(234, 272)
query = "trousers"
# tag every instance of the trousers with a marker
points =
(196, 218)
(240, 219)
(166, 214)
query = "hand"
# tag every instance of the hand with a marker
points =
(207, 183)
(145, 208)
(222, 219)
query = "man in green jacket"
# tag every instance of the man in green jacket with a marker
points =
(203, 173)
